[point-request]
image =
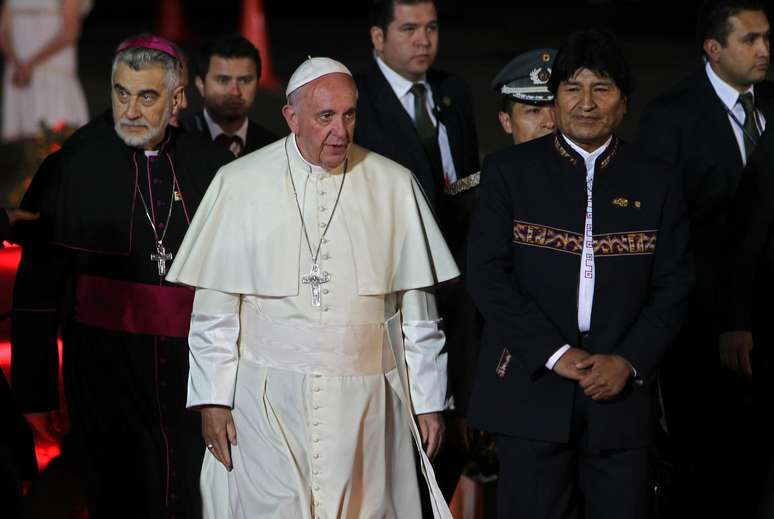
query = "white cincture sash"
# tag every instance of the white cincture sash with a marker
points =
(331, 351)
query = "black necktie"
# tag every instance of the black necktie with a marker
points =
(428, 134)
(751, 133)
(227, 141)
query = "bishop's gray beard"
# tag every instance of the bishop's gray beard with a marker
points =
(152, 134)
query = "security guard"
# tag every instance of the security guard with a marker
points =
(527, 110)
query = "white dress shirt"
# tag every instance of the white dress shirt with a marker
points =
(730, 98)
(216, 130)
(402, 88)
(586, 278)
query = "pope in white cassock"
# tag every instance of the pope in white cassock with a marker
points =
(316, 355)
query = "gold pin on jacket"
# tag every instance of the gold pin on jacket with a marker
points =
(621, 202)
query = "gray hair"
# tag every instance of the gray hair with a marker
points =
(141, 58)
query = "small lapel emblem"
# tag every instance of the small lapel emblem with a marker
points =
(502, 366)
(637, 204)
(621, 202)
(178, 196)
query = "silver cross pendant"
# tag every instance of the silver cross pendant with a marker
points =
(314, 279)
(161, 257)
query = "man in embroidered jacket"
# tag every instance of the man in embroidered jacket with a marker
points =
(87, 266)
(308, 397)
(579, 303)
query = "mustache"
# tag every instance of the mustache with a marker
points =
(142, 122)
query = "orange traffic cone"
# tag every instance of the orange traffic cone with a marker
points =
(254, 29)
(171, 21)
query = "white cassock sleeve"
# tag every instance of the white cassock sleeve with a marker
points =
(423, 342)
(214, 352)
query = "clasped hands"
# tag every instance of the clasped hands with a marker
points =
(601, 376)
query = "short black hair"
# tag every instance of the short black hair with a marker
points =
(383, 11)
(229, 46)
(713, 21)
(596, 50)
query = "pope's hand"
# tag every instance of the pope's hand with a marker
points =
(432, 429)
(218, 432)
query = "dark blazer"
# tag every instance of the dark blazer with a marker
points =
(524, 262)
(689, 128)
(384, 126)
(257, 136)
(750, 256)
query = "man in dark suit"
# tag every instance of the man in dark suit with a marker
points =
(408, 111)
(423, 119)
(227, 79)
(706, 127)
(580, 303)
(749, 281)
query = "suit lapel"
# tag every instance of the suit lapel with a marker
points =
(716, 116)
(202, 126)
(391, 112)
(447, 113)
(390, 108)
(250, 138)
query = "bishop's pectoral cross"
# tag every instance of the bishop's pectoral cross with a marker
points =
(314, 279)
(161, 257)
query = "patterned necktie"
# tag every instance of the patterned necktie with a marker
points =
(233, 143)
(428, 134)
(751, 133)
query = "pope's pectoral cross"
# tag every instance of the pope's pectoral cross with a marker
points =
(314, 279)
(161, 257)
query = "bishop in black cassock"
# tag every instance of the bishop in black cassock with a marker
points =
(112, 218)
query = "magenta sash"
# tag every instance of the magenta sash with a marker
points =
(140, 308)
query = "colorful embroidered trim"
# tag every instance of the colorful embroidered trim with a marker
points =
(602, 165)
(611, 244)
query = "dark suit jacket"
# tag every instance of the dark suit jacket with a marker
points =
(257, 136)
(689, 128)
(750, 256)
(384, 126)
(524, 262)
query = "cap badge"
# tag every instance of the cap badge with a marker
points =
(546, 57)
(540, 76)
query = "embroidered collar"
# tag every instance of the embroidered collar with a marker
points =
(566, 151)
